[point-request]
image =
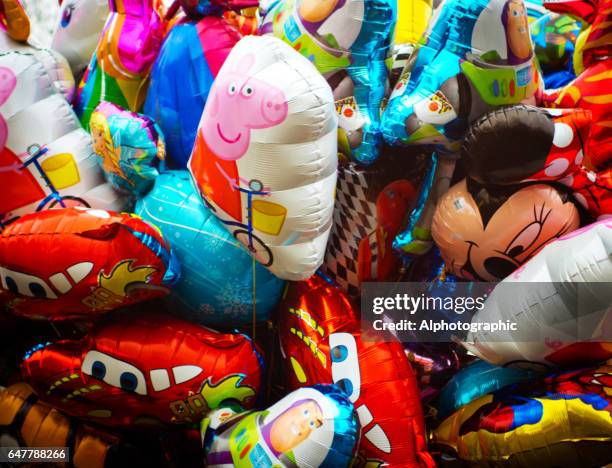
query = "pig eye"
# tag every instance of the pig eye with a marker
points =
(247, 91)
(231, 89)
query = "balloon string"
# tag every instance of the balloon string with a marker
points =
(254, 297)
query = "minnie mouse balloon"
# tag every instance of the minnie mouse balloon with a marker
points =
(571, 323)
(46, 158)
(348, 41)
(78, 30)
(310, 427)
(265, 155)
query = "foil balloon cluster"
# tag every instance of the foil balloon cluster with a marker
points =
(321, 342)
(190, 58)
(348, 41)
(46, 158)
(564, 420)
(220, 283)
(164, 371)
(476, 56)
(130, 146)
(119, 69)
(73, 262)
(265, 155)
(311, 426)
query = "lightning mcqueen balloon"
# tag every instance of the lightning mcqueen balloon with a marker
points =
(71, 263)
(145, 370)
(321, 342)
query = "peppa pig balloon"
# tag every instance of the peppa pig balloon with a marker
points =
(120, 67)
(189, 60)
(46, 158)
(311, 427)
(348, 41)
(77, 31)
(265, 155)
(573, 275)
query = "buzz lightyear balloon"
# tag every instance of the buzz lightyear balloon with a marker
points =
(265, 155)
(477, 55)
(311, 427)
(348, 41)
(46, 158)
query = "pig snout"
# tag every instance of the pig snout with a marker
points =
(274, 106)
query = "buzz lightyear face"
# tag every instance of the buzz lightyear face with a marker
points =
(517, 30)
(295, 425)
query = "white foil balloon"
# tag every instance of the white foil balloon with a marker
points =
(46, 158)
(78, 29)
(265, 155)
(568, 305)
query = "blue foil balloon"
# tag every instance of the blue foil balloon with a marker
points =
(476, 380)
(221, 283)
(190, 58)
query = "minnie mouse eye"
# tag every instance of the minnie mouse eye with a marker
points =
(231, 89)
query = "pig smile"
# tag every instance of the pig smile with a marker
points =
(224, 138)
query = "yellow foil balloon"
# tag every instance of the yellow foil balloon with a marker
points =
(412, 20)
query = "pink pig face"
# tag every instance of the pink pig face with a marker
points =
(236, 104)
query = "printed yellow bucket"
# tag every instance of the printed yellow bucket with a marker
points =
(268, 217)
(62, 171)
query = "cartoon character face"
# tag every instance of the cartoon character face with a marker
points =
(316, 11)
(321, 342)
(145, 369)
(488, 239)
(295, 425)
(96, 262)
(238, 103)
(517, 30)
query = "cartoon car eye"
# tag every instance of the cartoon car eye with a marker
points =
(114, 372)
(345, 364)
(25, 285)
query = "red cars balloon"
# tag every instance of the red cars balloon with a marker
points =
(141, 370)
(321, 342)
(73, 262)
